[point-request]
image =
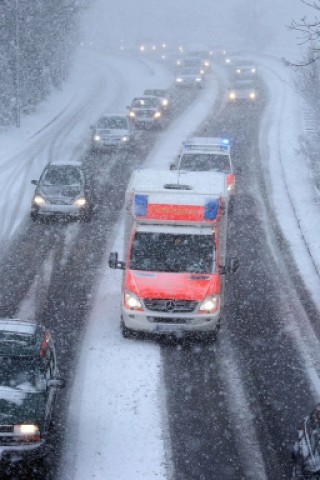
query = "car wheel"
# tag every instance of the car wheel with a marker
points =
(126, 332)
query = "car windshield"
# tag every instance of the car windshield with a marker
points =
(145, 102)
(16, 371)
(205, 161)
(156, 93)
(163, 252)
(117, 123)
(66, 175)
(190, 71)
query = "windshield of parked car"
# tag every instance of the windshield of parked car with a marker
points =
(145, 102)
(205, 161)
(163, 252)
(17, 371)
(117, 123)
(66, 175)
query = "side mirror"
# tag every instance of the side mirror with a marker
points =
(115, 263)
(35, 182)
(56, 383)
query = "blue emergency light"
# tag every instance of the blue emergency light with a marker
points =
(225, 141)
(140, 205)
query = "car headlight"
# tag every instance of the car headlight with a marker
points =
(96, 138)
(238, 70)
(253, 70)
(125, 138)
(202, 72)
(165, 102)
(179, 80)
(178, 62)
(29, 431)
(198, 79)
(252, 95)
(227, 60)
(38, 200)
(157, 115)
(132, 301)
(206, 64)
(132, 114)
(210, 304)
(232, 95)
(80, 202)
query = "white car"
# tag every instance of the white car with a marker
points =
(112, 131)
(189, 77)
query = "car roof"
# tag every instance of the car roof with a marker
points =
(142, 97)
(66, 164)
(111, 115)
(19, 337)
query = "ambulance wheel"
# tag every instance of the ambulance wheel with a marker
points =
(126, 332)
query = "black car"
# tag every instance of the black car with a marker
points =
(306, 450)
(63, 191)
(29, 382)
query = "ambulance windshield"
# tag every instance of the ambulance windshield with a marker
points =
(205, 161)
(163, 252)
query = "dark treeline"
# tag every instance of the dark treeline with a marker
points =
(37, 40)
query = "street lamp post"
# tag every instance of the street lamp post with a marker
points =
(17, 52)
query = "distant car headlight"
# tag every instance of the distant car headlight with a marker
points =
(96, 138)
(238, 70)
(227, 60)
(125, 138)
(202, 72)
(206, 64)
(253, 70)
(178, 62)
(38, 200)
(232, 95)
(210, 304)
(179, 80)
(132, 301)
(198, 79)
(157, 115)
(132, 114)
(252, 95)
(165, 102)
(80, 202)
(30, 432)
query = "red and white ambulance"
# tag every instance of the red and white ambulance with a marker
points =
(175, 252)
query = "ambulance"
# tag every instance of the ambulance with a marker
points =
(174, 253)
(206, 154)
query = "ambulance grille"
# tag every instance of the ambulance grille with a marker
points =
(170, 305)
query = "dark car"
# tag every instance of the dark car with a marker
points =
(62, 190)
(29, 381)
(306, 451)
(162, 94)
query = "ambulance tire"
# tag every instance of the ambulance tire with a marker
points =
(126, 332)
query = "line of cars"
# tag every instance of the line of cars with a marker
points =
(64, 189)
(175, 243)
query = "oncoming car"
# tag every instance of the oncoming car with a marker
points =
(113, 131)
(29, 381)
(242, 91)
(146, 111)
(244, 69)
(160, 93)
(62, 190)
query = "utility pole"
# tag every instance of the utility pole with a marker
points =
(17, 51)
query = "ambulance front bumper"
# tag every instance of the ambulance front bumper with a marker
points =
(162, 323)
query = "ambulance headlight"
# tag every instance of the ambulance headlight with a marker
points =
(157, 115)
(96, 138)
(232, 96)
(210, 304)
(132, 114)
(132, 301)
(252, 95)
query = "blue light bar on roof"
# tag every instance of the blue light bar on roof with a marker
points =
(225, 141)
(140, 205)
